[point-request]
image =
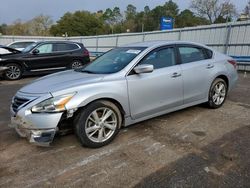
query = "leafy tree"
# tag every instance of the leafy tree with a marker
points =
(77, 24)
(169, 9)
(214, 10)
(247, 9)
(130, 13)
(40, 25)
(3, 29)
(18, 28)
(112, 17)
(187, 19)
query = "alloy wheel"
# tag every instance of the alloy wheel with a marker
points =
(13, 72)
(219, 93)
(101, 124)
(76, 64)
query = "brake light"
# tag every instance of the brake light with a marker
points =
(85, 52)
(233, 62)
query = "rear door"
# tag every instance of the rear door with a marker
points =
(197, 70)
(150, 93)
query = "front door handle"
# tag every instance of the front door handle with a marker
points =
(176, 74)
(209, 66)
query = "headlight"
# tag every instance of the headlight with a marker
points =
(2, 59)
(54, 104)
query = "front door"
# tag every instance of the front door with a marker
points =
(45, 59)
(150, 93)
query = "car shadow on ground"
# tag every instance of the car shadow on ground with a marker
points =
(223, 163)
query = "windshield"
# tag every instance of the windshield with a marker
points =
(28, 48)
(113, 61)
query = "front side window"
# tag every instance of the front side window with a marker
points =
(191, 54)
(45, 48)
(113, 61)
(160, 58)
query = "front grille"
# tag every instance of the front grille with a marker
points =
(17, 102)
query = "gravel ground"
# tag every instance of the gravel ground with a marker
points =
(194, 147)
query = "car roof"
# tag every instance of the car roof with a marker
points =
(20, 41)
(157, 43)
(57, 41)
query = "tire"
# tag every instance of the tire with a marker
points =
(217, 93)
(14, 72)
(91, 128)
(76, 64)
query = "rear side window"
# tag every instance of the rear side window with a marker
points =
(160, 58)
(191, 54)
(64, 47)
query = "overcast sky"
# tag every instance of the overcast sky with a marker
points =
(11, 10)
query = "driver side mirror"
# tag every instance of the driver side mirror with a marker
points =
(36, 51)
(146, 68)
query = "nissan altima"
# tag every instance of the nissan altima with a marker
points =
(124, 86)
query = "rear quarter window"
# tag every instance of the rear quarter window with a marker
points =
(64, 47)
(191, 54)
(209, 53)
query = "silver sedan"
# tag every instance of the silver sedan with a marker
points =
(124, 86)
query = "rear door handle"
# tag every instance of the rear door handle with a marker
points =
(209, 66)
(176, 74)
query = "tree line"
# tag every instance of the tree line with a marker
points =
(113, 20)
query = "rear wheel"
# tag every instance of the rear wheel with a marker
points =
(98, 124)
(218, 93)
(76, 64)
(14, 72)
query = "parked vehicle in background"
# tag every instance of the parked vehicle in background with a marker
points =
(6, 50)
(21, 45)
(46, 56)
(124, 86)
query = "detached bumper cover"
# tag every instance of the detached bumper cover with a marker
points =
(41, 137)
(38, 128)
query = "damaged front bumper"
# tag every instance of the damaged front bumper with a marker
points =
(38, 128)
(38, 137)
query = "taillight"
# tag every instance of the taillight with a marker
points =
(232, 62)
(85, 52)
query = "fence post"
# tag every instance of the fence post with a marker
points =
(116, 41)
(228, 34)
(97, 38)
(143, 37)
(179, 35)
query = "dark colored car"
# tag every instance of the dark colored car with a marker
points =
(45, 57)
(21, 45)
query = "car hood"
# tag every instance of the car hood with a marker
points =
(11, 52)
(60, 81)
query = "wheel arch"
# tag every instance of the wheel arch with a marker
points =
(16, 62)
(112, 100)
(225, 78)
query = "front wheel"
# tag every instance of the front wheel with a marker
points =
(14, 72)
(98, 124)
(217, 93)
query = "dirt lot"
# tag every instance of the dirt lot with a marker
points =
(194, 147)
